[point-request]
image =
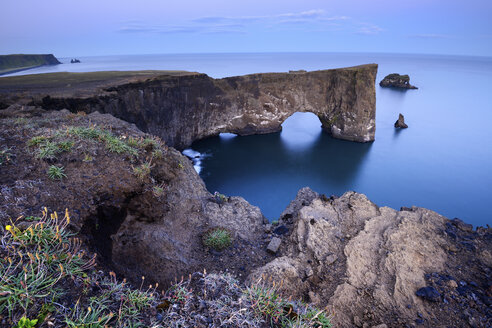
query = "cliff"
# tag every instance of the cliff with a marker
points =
(10, 63)
(142, 207)
(181, 108)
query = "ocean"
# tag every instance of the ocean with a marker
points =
(443, 161)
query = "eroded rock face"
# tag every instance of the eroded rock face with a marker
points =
(116, 213)
(181, 109)
(366, 263)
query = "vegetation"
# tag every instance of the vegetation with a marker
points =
(56, 172)
(218, 239)
(5, 156)
(142, 171)
(41, 261)
(267, 301)
(158, 191)
(11, 62)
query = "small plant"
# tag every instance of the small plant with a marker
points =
(217, 239)
(87, 158)
(158, 191)
(5, 156)
(56, 172)
(267, 301)
(274, 222)
(157, 154)
(26, 323)
(142, 171)
(35, 141)
(220, 198)
(65, 145)
(48, 150)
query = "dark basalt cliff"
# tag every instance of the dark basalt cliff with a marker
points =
(12, 63)
(187, 107)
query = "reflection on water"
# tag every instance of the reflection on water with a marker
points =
(268, 169)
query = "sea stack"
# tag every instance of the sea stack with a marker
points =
(396, 80)
(400, 122)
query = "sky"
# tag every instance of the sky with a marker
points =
(70, 28)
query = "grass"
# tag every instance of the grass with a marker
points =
(142, 171)
(267, 301)
(33, 262)
(56, 172)
(218, 239)
(5, 156)
(158, 191)
(38, 260)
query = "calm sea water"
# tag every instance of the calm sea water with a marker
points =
(443, 161)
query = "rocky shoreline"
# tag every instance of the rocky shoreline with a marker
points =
(368, 265)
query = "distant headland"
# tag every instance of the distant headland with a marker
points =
(15, 63)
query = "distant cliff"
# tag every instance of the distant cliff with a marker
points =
(10, 63)
(187, 107)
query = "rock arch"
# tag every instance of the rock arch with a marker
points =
(187, 107)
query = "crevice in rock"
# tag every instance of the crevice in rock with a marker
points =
(98, 230)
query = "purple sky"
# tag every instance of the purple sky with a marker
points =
(106, 27)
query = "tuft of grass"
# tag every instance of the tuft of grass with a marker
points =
(35, 141)
(158, 191)
(48, 150)
(217, 238)
(35, 260)
(142, 171)
(266, 301)
(157, 154)
(65, 145)
(5, 156)
(56, 172)
(113, 143)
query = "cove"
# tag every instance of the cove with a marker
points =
(269, 169)
(441, 162)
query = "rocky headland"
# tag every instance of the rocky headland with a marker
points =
(181, 107)
(398, 81)
(14, 63)
(139, 204)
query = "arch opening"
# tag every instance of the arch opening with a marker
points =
(300, 130)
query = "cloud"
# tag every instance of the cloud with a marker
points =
(430, 36)
(310, 20)
(368, 29)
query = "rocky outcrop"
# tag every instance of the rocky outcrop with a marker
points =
(400, 122)
(13, 63)
(183, 108)
(397, 81)
(119, 215)
(374, 265)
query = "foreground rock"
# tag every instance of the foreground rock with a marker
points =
(397, 81)
(374, 265)
(149, 225)
(181, 107)
(369, 265)
(400, 122)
